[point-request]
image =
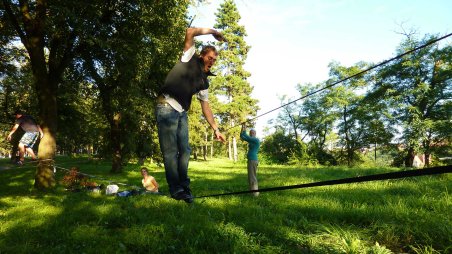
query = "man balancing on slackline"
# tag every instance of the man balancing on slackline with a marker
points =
(187, 78)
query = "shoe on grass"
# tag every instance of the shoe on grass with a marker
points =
(183, 195)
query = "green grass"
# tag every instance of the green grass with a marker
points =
(394, 216)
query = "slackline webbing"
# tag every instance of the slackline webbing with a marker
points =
(358, 179)
(97, 177)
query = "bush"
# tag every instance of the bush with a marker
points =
(278, 148)
(75, 181)
(323, 157)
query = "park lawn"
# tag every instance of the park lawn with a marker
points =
(394, 216)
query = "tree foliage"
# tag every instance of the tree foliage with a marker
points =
(89, 59)
(411, 94)
(419, 88)
(231, 85)
(279, 147)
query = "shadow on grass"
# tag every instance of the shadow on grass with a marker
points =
(17, 181)
(276, 222)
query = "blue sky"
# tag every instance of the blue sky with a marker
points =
(300, 38)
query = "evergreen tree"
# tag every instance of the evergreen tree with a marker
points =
(231, 85)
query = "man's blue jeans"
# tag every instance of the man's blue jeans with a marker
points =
(173, 137)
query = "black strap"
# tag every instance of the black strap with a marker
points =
(358, 179)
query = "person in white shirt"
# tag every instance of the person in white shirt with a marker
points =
(187, 78)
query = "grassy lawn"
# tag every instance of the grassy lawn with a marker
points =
(395, 216)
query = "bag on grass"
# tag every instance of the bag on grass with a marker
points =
(127, 193)
(111, 189)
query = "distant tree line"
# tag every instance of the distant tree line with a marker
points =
(89, 71)
(401, 109)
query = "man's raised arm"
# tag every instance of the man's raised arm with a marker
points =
(192, 32)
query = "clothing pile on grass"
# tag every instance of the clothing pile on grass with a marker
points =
(75, 181)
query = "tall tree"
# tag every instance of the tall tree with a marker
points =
(351, 129)
(80, 122)
(231, 82)
(419, 86)
(49, 32)
(318, 115)
(124, 48)
(138, 35)
(359, 122)
(290, 117)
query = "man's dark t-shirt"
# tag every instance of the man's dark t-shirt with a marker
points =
(185, 80)
(27, 123)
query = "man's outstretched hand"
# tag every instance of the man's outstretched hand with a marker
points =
(219, 37)
(243, 127)
(219, 136)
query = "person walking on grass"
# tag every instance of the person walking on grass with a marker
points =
(187, 78)
(32, 132)
(253, 149)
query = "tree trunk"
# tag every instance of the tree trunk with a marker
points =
(409, 157)
(229, 149)
(427, 159)
(115, 135)
(204, 147)
(347, 139)
(46, 90)
(32, 34)
(204, 152)
(30, 25)
(375, 152)
(195, 153)
(234, 147)
(211, 147)
(426, 145)
(113, 117)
